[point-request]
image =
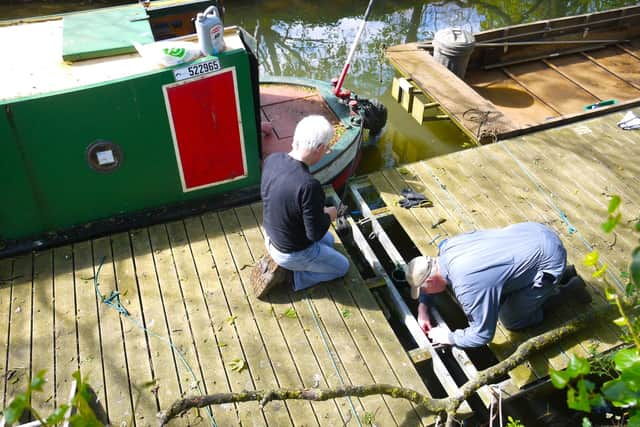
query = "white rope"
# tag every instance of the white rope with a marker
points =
(497, 398)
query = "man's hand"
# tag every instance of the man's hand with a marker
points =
(423, 318)
(332, 212)
(439, 335)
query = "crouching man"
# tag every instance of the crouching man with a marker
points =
(509, 274)
(295, 220)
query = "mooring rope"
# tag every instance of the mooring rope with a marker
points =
(113, 301)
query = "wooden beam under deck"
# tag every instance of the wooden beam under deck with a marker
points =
(562, 177)
(187, 282)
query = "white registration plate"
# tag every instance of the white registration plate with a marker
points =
(196, 69)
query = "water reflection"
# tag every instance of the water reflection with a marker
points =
(312, 39)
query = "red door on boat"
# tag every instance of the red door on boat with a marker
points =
(205, 122)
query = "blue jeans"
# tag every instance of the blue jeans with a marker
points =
(524, 308)
(320, 262)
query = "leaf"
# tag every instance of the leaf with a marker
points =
(38, 381)
(626, 358)
(613, 203)
(559, 379)
(57, 416)
(591, 259)
(13, 412)
(586, 422)
(599, 272)
(221, 344)
(238, 365)
(577, 399)
(617, 392)
(610, 223)
(634, 420)
(290, 313)
(346, 313)
(577, 367)
(231, 319)
(610, 294)
(620, 321)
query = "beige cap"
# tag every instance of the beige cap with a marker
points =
(418, 270)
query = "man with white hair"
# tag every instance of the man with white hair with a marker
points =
(295, 220)
(509, 274)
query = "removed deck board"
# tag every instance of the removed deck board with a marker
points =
(187, 282)
(563, 177)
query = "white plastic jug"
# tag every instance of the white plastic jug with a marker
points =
(210, 31)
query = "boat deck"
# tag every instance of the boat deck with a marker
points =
(559, 69)
(187, 283)
(563, 177)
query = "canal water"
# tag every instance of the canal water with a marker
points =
(306, 38)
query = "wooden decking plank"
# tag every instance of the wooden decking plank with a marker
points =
(6, 273)
(618, 62)
(581, 200)
(254, 352)
(222, 343)
(356, 371)
(152, 316)
(276, 347)
(327, 413)
(188, 368)
(470, 194)
(87, 314)
(19, 354)
(137, 356)
(373, 356)
(65, 338)
(116, 376)
(43, 358)
(526, 194)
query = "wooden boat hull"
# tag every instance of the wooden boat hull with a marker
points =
(109, 155)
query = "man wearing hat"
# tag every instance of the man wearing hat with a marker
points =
(507, 274)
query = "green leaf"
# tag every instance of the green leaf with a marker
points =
(626, 358)
(591, 259)
(613, 203)
(617, 392)
(579, 399)
(599, 272)
(57, 416)
(290, 313)
(38, 381)
(221, 344)
(597, 401)
(238, 365)
(345, 313)
(559, 379)
(610, 223)
(577, 366)
(620, 321)
(586, 422)
(637, 226)
(610, 294)
(13, 412)
(631, 376)
(634, 267)
(231, 319)
(634, 420)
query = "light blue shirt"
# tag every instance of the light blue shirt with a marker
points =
(483, 266)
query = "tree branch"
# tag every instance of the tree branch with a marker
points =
(447, 405)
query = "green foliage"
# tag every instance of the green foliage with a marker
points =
(513, 422)
(622, 389)
(84, 415)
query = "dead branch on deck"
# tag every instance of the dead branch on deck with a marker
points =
(448, 406)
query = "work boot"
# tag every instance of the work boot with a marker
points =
(568, 273)
(573, 290)
(266, 275)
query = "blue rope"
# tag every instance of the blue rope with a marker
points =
(571, 229)
(113, 301)
(333, 362)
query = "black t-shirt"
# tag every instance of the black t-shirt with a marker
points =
(293, 213)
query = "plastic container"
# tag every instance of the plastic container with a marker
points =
(210, 31)
(452, 47)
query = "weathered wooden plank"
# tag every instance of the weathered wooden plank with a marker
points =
(88, 320)
(187, 365)
(253, 350)
(292, 329)
(222, 342)
(66, 354)
(116, 376)
(6, 273)
(137, 351)
(152, 316)
(19, 354)
(42, 339)
(617, 62)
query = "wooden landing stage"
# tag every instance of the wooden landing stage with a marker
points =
(562, 177)
(186, 282)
